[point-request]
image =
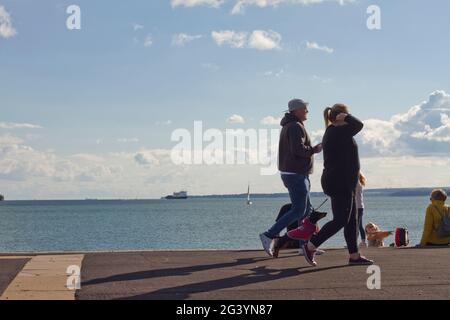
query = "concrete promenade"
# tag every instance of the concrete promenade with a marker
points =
(407, 273)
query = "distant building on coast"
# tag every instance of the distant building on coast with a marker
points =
(2, 197)
(177, 195)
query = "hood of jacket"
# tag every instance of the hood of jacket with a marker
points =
(288, 118)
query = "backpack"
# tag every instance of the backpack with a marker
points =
(444, 229)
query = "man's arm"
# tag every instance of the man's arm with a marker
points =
(297, 142)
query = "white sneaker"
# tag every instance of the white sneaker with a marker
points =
(318, 252)
(267, 244)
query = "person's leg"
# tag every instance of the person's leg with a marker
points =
(298, 187)
(309, 207)
(341, 207)
(350, 233)
(362, 232)
(309, 210)
(351, 229)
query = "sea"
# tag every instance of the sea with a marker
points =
(194, 223)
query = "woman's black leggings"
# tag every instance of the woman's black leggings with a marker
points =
(344, 216)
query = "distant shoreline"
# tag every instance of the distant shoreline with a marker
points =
(394, 192)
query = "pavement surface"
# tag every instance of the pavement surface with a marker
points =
(241, 275)
(405, 274)
(9, 268)
(46, 277)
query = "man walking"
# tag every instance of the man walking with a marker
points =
(295, 163)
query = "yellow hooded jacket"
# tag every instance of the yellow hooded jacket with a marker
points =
(433, 220)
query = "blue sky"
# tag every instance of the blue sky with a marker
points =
(89, 88)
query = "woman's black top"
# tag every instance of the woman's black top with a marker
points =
(341, 158)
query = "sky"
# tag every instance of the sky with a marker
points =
(90, 113)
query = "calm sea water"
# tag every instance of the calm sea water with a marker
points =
(171, 224)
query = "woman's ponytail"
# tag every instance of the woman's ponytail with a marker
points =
(331, 113)
(326, 116)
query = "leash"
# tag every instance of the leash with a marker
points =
(321, 205)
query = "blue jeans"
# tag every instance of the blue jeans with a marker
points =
(298, 186)
(362, 232)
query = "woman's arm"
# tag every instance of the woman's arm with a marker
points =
(384, 234)
(371, 236)
(354, 125)
(380, 235)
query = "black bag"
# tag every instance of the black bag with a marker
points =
(288, 243)
(401, 237)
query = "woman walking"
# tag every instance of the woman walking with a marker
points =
(339, 179)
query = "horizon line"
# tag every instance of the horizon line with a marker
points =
(212, 195)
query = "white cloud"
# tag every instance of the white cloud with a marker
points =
(19, 162)
(316, 46)
(235, 119)
(88, 157)
(232, 38)
(194, 3)
(148, 42)
(163, 123)
(265, 40)
(406, 171)
(239, 7)
(211, 66)
(271, 121)
(276, 74)
(26, 173)
(181, 39)
(379, 137)
(258, 39)
(12, 125)
(128, 140)
(427, 121)
(9, 140)
(154, 157)
(409, 150)
(423, 129)
(6, 28)
(137, 27)
(322, 79)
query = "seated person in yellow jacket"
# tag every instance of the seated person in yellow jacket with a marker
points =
(434, 218)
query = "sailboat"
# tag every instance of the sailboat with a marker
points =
(248, 196)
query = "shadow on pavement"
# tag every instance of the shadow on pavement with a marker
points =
(258, 275)
(181, 271)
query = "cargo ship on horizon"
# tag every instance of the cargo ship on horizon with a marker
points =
(177, 195)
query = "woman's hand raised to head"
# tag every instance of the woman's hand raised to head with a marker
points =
(341, 116)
